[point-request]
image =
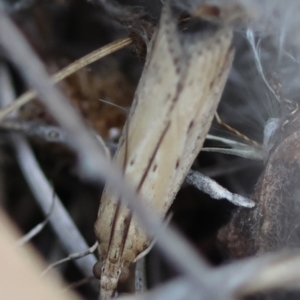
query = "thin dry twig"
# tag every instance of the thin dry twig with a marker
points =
(248, 276)
(178, 289)
(67, 232)
(79, 283)
(216, 191)
(37, 229)
(70, 257)
(48, 133)
(67, 71)
(258, 274)
(65, 229)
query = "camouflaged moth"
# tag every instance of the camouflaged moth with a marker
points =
(172, 111)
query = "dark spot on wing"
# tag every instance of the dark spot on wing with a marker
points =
(177, 163)
(154, 167)
(126, 221)
(191, 82)
(178, 91)
(190, 126)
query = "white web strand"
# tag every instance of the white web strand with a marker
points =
(216, 191)
(250, 37)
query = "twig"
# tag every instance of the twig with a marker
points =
(48, 133)
(238, 279)
(140, 280)
(258, 274)
(67, 71)
(37, 229)
(216, 191)
(79, 283)
(70, 257)
(178, 289)
(61, 222)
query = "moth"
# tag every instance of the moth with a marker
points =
(173, 108)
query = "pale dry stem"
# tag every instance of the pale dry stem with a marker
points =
(60, 220)
(67, 71)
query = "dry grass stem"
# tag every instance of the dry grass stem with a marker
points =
(67, 71)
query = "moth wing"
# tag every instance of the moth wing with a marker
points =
(147, 120)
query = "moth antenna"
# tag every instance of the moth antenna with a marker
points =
(250, 37)
(236, 132)
(140, 282)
